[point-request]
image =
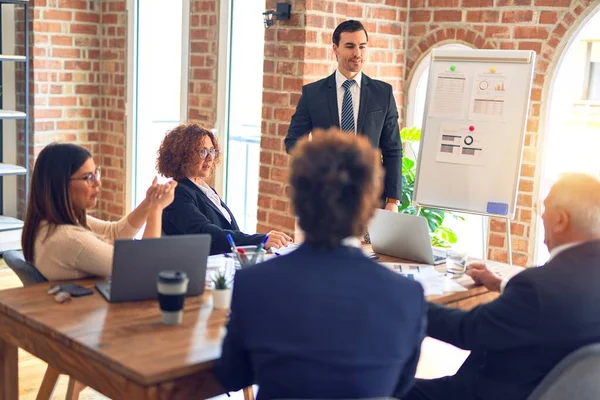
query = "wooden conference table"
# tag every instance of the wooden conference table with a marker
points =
(122, 350)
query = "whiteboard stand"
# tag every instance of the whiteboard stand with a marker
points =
(473, 132)
(508, 241)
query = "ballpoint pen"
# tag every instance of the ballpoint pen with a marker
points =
(259, 248)
(234, 249)
(243, 258)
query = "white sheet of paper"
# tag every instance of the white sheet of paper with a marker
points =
(286, 250)
(488, 97)
(458, 145)
(450, 94)
(433, 282)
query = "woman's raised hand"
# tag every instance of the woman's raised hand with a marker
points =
(161, 195)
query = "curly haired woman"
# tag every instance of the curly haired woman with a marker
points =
(188, 154)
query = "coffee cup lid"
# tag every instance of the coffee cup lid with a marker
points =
(171, 276)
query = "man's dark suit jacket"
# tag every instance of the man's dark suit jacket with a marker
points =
(322, 324)
(543, 315)
(377, 119)
(193, 212)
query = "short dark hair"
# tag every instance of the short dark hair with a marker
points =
(336, 184)
(49, 198)
(179, 151)
(351, 25)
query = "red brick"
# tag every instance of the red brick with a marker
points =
(497, 225)
(525, 215)
(535, 46)
(517, 229)
(443, 3)
(477, 3)
(77, 4)
(483, 16)
(531, 32)
(87, 17)
(353, 11)
(57, 15)
(527, 171)
(552, 3)
(291, 35)
(420, 16)
(517, 16)
(83, 28)
(503, 3)
(60, 52)
(384, 13)
(496, 240)
(389, 28)
(39, 26)
(447, 15)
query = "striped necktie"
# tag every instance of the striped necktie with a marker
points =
(347, 124)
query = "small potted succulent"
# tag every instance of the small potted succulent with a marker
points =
(222, 290)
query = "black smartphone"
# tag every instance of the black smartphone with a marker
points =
(75, 290)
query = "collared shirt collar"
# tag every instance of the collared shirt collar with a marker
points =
(559, 249)
(340, 79)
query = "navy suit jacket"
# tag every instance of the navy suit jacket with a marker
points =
(192, 212)
(543, 315)
(322, 324)
(377, 120)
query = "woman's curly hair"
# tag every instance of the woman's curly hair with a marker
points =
(179, 151)
(336, 184)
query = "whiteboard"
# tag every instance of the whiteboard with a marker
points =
(473, 130)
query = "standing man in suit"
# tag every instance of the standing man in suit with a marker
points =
(350, 100)
(542, 315)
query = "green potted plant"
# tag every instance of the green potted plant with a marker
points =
(222, 290)
(441, 236)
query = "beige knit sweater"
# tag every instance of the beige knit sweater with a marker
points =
(73, 252)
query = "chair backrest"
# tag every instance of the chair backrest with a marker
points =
(577, 376)
(27, 273)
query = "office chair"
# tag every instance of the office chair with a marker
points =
(29, 275)
(26, 272)
(575, 377)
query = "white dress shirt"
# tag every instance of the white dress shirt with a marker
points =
(354, 91)
(553, 253)
(213, 197)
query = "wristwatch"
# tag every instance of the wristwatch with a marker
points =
(393, 201)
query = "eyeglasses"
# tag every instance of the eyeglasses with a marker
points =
(204, 152)
(90, 178)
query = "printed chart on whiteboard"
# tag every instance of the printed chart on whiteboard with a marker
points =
(461, 144)
(451, 95)
(488, 97)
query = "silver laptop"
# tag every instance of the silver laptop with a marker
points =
(403, 236)
(136, 264)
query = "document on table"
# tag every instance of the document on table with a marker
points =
(433, 282)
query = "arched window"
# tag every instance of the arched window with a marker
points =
(571, 131)
(469, 228)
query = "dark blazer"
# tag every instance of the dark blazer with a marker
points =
(193, 212)
(322, 324)
(377, 119)
(543, 314)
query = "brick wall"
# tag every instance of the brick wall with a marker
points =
(297, 52)
(204, 30)
(78, 69)
(113, 94)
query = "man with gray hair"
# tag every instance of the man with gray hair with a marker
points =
(542, 315)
